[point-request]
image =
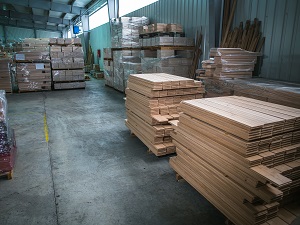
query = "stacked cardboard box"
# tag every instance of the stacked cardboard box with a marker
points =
(246, 161)
(151, 101)
(120, 62)
(35, 44)
(33, 76)
(160, 28)
(5, 75)
(33, 72)
(166, 41)
(125, 31)
(67, 63)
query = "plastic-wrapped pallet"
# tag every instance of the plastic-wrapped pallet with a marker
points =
(122, 57)
(109, 72)
(125, 31)
(7, 140)
(176, 62)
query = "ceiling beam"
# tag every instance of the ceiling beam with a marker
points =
(16, 23)
(46, 5)
(17, 15)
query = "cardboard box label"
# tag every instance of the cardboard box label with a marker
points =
(20, 56)
(39, 66)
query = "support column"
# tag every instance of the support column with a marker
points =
(86, 32)
(4, 34)
(113, 9)
(64, 33)
(34, 33)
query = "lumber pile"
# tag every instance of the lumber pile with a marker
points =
(278, 92)
(283, 93)
(246, 37)
(228, 63)
(151, 101)
(5, 75)
(234, 63)
(242, 154)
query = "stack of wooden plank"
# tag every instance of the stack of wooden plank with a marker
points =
(242, 154)
(209, 66)
(151, 101)
(278, 92)
(234, 63)
(5, 76)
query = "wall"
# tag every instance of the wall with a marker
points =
(281, 27)
(99, 39)
(192, 14)
(17, 33)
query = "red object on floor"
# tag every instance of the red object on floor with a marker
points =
(7, 160)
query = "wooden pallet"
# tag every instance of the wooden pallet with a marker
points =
(8, 174)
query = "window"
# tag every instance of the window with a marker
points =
(99, 17)
(128, 6)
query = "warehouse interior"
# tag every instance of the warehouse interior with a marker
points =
(149, 112)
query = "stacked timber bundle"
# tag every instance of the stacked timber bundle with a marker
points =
(248, 37)
(234, 63)
(5, 76)
(242, 154)
(151, 101)
(209, 66)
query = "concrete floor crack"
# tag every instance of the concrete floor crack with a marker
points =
(50, 158)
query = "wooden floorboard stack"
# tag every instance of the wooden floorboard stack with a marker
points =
(5, 76)
(242, 154)
(151, 101)
(234, 63)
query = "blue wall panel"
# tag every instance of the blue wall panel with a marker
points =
(99, 39)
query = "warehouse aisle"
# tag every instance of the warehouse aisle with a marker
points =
(92, 171)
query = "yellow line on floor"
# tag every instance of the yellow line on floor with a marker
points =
(46, 128)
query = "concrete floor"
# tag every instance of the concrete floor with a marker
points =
(92, 171)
